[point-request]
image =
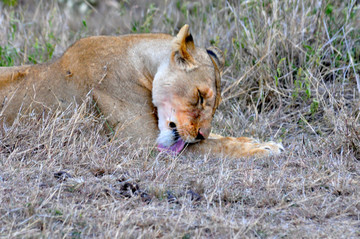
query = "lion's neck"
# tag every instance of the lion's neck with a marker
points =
(148, 60)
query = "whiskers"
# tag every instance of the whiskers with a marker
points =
(185, 134)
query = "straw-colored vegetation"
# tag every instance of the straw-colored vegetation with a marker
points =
(292, 75)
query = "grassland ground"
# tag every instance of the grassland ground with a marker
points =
(292, 76)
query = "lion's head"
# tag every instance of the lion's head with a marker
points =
(186, 92)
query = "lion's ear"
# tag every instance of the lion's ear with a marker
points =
(182, 48)
(218, 56)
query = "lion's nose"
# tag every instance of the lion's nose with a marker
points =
(200, 135)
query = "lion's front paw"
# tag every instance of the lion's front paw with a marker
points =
(269, 148)
(236, 147)
(252, 147)
(249, 147)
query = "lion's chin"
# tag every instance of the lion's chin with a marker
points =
(173, 149)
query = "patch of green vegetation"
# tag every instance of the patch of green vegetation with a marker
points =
(186, 236)
(215, 42)
(7, 55)
(40, 48)
(314, 107)
(302, 87)
(58, 212)
(278, 71)
(10, 3)
(75, 234)
(145, 25)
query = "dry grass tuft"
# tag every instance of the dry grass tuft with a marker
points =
(292, 75)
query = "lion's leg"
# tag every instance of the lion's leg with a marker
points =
(235, 147)
(132, 121)
(106, 106)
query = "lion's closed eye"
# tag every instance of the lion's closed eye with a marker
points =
(200, 99)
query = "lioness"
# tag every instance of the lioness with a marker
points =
(152, 87)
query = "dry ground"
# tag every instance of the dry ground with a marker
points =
(292, 75)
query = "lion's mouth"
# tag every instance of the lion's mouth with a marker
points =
(174, 149)
(178, 144)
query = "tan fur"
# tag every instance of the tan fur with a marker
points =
(141, 83)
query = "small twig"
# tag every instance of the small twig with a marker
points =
(312, 129)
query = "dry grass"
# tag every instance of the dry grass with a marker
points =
(292, 75)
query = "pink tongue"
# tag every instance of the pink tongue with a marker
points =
(174, 149)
